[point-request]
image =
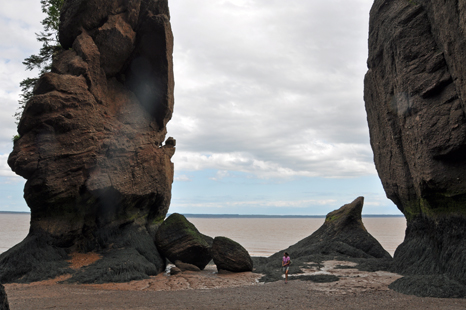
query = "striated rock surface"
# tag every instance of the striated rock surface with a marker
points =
(178, 239)
(229, 255)
(414, 94)
(92, 144)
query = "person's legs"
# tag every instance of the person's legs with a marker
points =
(286, 275)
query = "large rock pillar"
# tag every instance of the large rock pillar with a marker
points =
(414, 94)
(93, 147)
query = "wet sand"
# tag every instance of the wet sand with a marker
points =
(209, 290)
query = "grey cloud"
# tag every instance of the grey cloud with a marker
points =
(270, 78)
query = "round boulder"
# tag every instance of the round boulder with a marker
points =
(230, 255)
(179, 239)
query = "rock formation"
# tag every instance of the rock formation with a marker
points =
(414, 94)
(179, 239)
(230, 255)
(343, 233)
(185, 266)
(175, 271)
(91, 148)
(342, 236)
(3, 299)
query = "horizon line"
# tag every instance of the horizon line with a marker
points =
(274, 215)
(233, 215)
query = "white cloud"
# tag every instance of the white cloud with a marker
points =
(5, 170)
(220, 175)
(260, 204)
(182, 178)
(17, 41)
(310, 160)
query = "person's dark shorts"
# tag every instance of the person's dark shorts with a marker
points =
(285, 269)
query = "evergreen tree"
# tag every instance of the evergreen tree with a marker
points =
(50, 47)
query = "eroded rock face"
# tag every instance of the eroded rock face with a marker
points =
(414, 94)
(231, 256)
(91, 148)
(178, 239)
(341, 237)
(343, 233)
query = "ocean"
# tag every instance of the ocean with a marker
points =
(266, 236)
(260, 236)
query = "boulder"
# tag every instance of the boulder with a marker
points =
(175, 271)
(230, 255)
(179, 239)
(92, 149)
(186, 267)
(3, 299)
(414, 94)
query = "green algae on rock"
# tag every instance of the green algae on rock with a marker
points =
(231, 256)
(179, 239)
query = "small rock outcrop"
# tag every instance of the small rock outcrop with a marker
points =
(179, 239)
(414, 95)
(185, 266)
(343, 233)
(175, 271)
(3, 299)
(342, 236)
(230, 255)
(92, 146)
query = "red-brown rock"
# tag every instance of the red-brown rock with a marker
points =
(91, 148)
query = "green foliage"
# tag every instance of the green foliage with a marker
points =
(50, 47)
(16, 138)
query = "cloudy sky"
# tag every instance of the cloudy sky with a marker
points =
(269, 113)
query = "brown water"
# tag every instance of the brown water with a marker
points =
(266, 236)
(13, 229)
(260, 236)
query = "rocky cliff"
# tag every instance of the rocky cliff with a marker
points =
(414, 94)
(93, 147)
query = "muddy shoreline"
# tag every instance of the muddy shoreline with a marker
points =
(209, 290)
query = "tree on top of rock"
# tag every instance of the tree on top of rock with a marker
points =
(50, 47)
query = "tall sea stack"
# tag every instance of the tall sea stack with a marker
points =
(93, 146)
(414, 95)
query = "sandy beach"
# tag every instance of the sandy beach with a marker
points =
(209, 290)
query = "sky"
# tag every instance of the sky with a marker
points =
(269, 112)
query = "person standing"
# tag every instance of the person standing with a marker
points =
(286, 261)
